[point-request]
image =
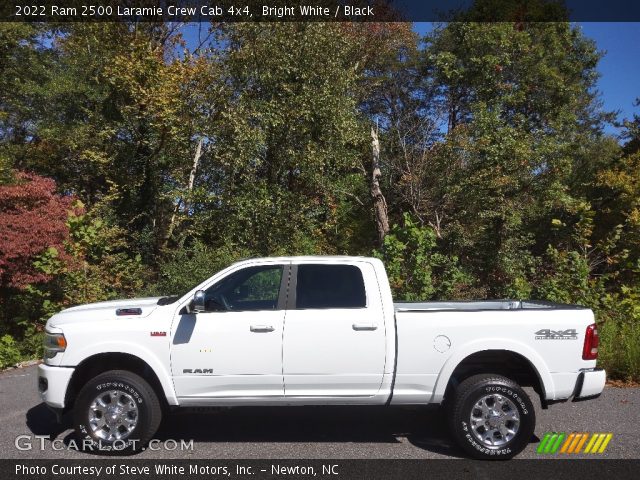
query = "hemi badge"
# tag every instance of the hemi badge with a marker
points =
(158, 334)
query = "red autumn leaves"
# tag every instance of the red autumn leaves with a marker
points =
(33, 219)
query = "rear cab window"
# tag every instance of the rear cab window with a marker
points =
(320, 286)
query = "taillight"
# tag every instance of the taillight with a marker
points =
(590, 349)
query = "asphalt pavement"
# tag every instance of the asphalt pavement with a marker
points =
(307, 432)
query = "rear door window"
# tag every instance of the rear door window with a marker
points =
(330, 286)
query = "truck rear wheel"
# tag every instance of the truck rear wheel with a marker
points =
(492, 418)
(116, 412)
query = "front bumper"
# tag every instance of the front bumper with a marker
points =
(590, 384)
(53, 383)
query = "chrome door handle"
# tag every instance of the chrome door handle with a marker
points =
(364, 326)
(261, 328)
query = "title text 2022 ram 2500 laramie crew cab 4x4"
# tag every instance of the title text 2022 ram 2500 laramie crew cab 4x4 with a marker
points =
(315, 331)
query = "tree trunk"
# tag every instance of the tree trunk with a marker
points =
(379, 202)
(182, 202)
(194, 168)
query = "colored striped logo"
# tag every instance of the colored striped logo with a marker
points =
(555, 442)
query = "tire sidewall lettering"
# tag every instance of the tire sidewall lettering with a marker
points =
(91, 444)
(121, 386)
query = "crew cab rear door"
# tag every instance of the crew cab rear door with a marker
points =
(334, 335)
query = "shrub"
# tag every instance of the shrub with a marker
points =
(416, 271)
(9, 351)
(620, 350)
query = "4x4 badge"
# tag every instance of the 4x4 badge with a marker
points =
(548, 334)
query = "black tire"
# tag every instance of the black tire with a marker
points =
(465, 404)
(136, 390)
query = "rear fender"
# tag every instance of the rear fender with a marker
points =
(476, 346)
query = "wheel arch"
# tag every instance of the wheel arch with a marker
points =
(522, 365)
(96, 364)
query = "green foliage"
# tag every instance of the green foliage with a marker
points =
(620, 350)
(9, 351)
(285, 166)
(568, 279)
(105, 268)
(416, 270)
(264, 285)
(31, 344)
(186, 267)
(99, 269)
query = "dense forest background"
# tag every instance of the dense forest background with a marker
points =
(132, 163)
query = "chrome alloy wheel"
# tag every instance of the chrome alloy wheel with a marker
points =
(113, 415)
(494, 420)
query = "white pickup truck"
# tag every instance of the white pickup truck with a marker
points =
(315, 331)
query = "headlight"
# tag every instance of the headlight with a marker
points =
(53, 344)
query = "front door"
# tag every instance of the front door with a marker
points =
(234, 348)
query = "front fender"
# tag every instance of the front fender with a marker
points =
(160, 368)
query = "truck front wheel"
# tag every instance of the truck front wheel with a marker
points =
(116, 412)
(492, 417)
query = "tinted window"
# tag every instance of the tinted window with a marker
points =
(253, 288)
(330, 286)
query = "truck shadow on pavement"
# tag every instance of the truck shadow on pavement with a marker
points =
(42, 421)
(423, 427)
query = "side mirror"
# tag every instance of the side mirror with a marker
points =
(197, 304)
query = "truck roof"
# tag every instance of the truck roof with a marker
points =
(310, 258)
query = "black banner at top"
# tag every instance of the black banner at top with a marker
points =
(319, 10)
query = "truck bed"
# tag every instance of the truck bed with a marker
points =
(482, 305)
(434, 337)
